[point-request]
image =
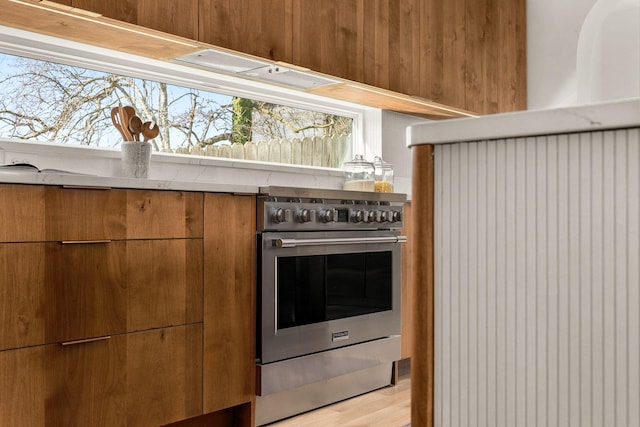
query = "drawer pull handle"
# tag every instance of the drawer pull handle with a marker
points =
(106, 337)
(77, 242)
(85, 187)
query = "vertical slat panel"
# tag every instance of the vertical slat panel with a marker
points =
(520, 280)
(541, 291)
(538, 281)
(531, 301)
(597, 277)
(463, 287)
(511, 284)
(621, 279)
(552, 273)
(479, 392)
(574, 280)
(562, 239)
(584, 279)
(633, 279)
(501, 283)
(609, 285)
(491, 337)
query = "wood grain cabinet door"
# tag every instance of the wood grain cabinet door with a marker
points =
(84, 214)
(392, 45)
(22, 387)
(257, 27)
(86, 383)
(229, 301)
(163, 214)
(179, 17)
(22, 295)
(328, 37)
(85, 290)
(140, 379)
(21, 213)
(164, 375)
(164, 283)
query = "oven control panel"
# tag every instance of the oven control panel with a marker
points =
(274, 214)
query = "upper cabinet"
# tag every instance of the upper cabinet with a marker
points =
(171, 16)
(257, 27)
(470, 55)
(328, 36)
(392, 45)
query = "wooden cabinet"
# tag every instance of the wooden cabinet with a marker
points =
(392, 45)
(101, 306)
(258, 27)
(170, 16)
(469, 55)
(22, 213)
(328, 36)
(118, 309)
(22, 387)
(229, 295)
(408, 287)
(22, 294)
(142, 379)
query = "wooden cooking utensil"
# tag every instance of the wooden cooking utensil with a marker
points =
(150, 130)
(117, 123)
(135, 127)
(124, 123)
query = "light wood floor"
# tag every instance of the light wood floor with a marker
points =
(387, 407)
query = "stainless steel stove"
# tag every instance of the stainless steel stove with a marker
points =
(329, 296)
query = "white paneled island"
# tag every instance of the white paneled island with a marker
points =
(530, 293)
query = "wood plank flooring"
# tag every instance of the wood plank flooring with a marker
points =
(387, 407)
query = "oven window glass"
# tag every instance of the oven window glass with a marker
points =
(318, 288)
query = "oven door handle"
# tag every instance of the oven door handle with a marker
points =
(292, 243)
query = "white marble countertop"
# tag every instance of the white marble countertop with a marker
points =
(610, 115)
(116, 182)
(99, 167)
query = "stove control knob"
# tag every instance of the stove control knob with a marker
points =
(303, 215)
(370, 216)
(384, 216)
(396, 216)
(328, 215)
(279, 215)
(357, 215)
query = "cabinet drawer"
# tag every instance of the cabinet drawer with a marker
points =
(164, 375)
(22, 387)
(22, 213)
(104, 288)
(164, 214)
(146, 378)
(164, 283)
(22, 272)
(85, 290)
(85, 214)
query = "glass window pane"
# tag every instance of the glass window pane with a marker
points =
(50, 102)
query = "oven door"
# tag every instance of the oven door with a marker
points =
(323, 290)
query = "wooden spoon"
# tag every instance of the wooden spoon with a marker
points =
(150, 130)
(135, 127)
(124, 123)
(117, 123)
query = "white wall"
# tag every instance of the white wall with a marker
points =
(582, 51)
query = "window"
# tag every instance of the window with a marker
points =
(47, 101)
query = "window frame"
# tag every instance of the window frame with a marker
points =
(367, 121)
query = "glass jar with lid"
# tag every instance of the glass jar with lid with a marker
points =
(383, 175)
(358, 175)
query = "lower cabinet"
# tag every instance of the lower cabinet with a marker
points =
(141, 315)
(146, 378)
(229, 304)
